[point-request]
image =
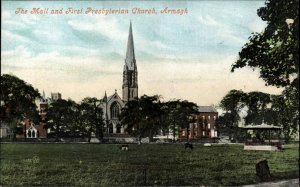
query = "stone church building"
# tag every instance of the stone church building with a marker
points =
(113, 104)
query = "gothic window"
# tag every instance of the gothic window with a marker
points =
(31, 133)
(114, 110)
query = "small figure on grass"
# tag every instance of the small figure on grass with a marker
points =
(188, 145)
(124, 147)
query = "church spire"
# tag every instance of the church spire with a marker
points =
(105, 97)
(130, 56)
(44, 96)
(130, 74)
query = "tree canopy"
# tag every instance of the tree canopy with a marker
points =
(142, 117)
(275, 51)
(17, 100)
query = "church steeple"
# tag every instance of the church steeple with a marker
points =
(130, 84)
(130, 56)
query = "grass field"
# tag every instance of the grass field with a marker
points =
(148, 164)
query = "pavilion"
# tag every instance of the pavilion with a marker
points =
(270, 145)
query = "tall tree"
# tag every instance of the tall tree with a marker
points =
(17, 101)
(257, 103)
(142, 117)
(275, 51)
(233, 103)
(178, 115)
(59, 117)
(92, 115)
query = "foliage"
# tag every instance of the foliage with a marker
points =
(142, 117)
(285, 112)
(258, 107)
(232, 103)
(91, 117)
(257, 103)
(60, 116)
(17, 100)
(177, 114)
(275, 51)
(146, 165)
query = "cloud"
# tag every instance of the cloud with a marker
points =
(209, 21)
(19, 52)
(106, 27)
(13, 37)
(49, 36)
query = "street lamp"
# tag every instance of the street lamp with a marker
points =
(289, 22)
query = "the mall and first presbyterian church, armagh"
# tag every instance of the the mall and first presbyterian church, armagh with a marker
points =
(203, 124)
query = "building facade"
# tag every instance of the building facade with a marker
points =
(202, 124)
(112, 105)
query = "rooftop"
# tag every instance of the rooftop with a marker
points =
(206, 109)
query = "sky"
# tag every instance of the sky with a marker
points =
(186, 57)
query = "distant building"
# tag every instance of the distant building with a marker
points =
(5, 131)
(31, 130)
(202, 124)
(55, 96)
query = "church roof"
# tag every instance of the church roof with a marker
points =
(114, 96)
(130, 56)
(206, 109)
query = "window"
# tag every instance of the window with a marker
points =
(31, 133)
(203, 133)
(209, 117)
(208, 125)
(215, 117)
(114, 110)
(183, 133)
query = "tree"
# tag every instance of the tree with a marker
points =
(17, 101)
(178, 115)
(142, 117)
(233, 103)
(257, 110)
(92, 116)
(59, 117)
(284, 112)
(275, 51)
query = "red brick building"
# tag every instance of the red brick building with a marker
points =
(202, 124)
(39, 130)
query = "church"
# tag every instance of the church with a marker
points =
(112, 105)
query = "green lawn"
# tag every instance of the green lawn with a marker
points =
(147, 164)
